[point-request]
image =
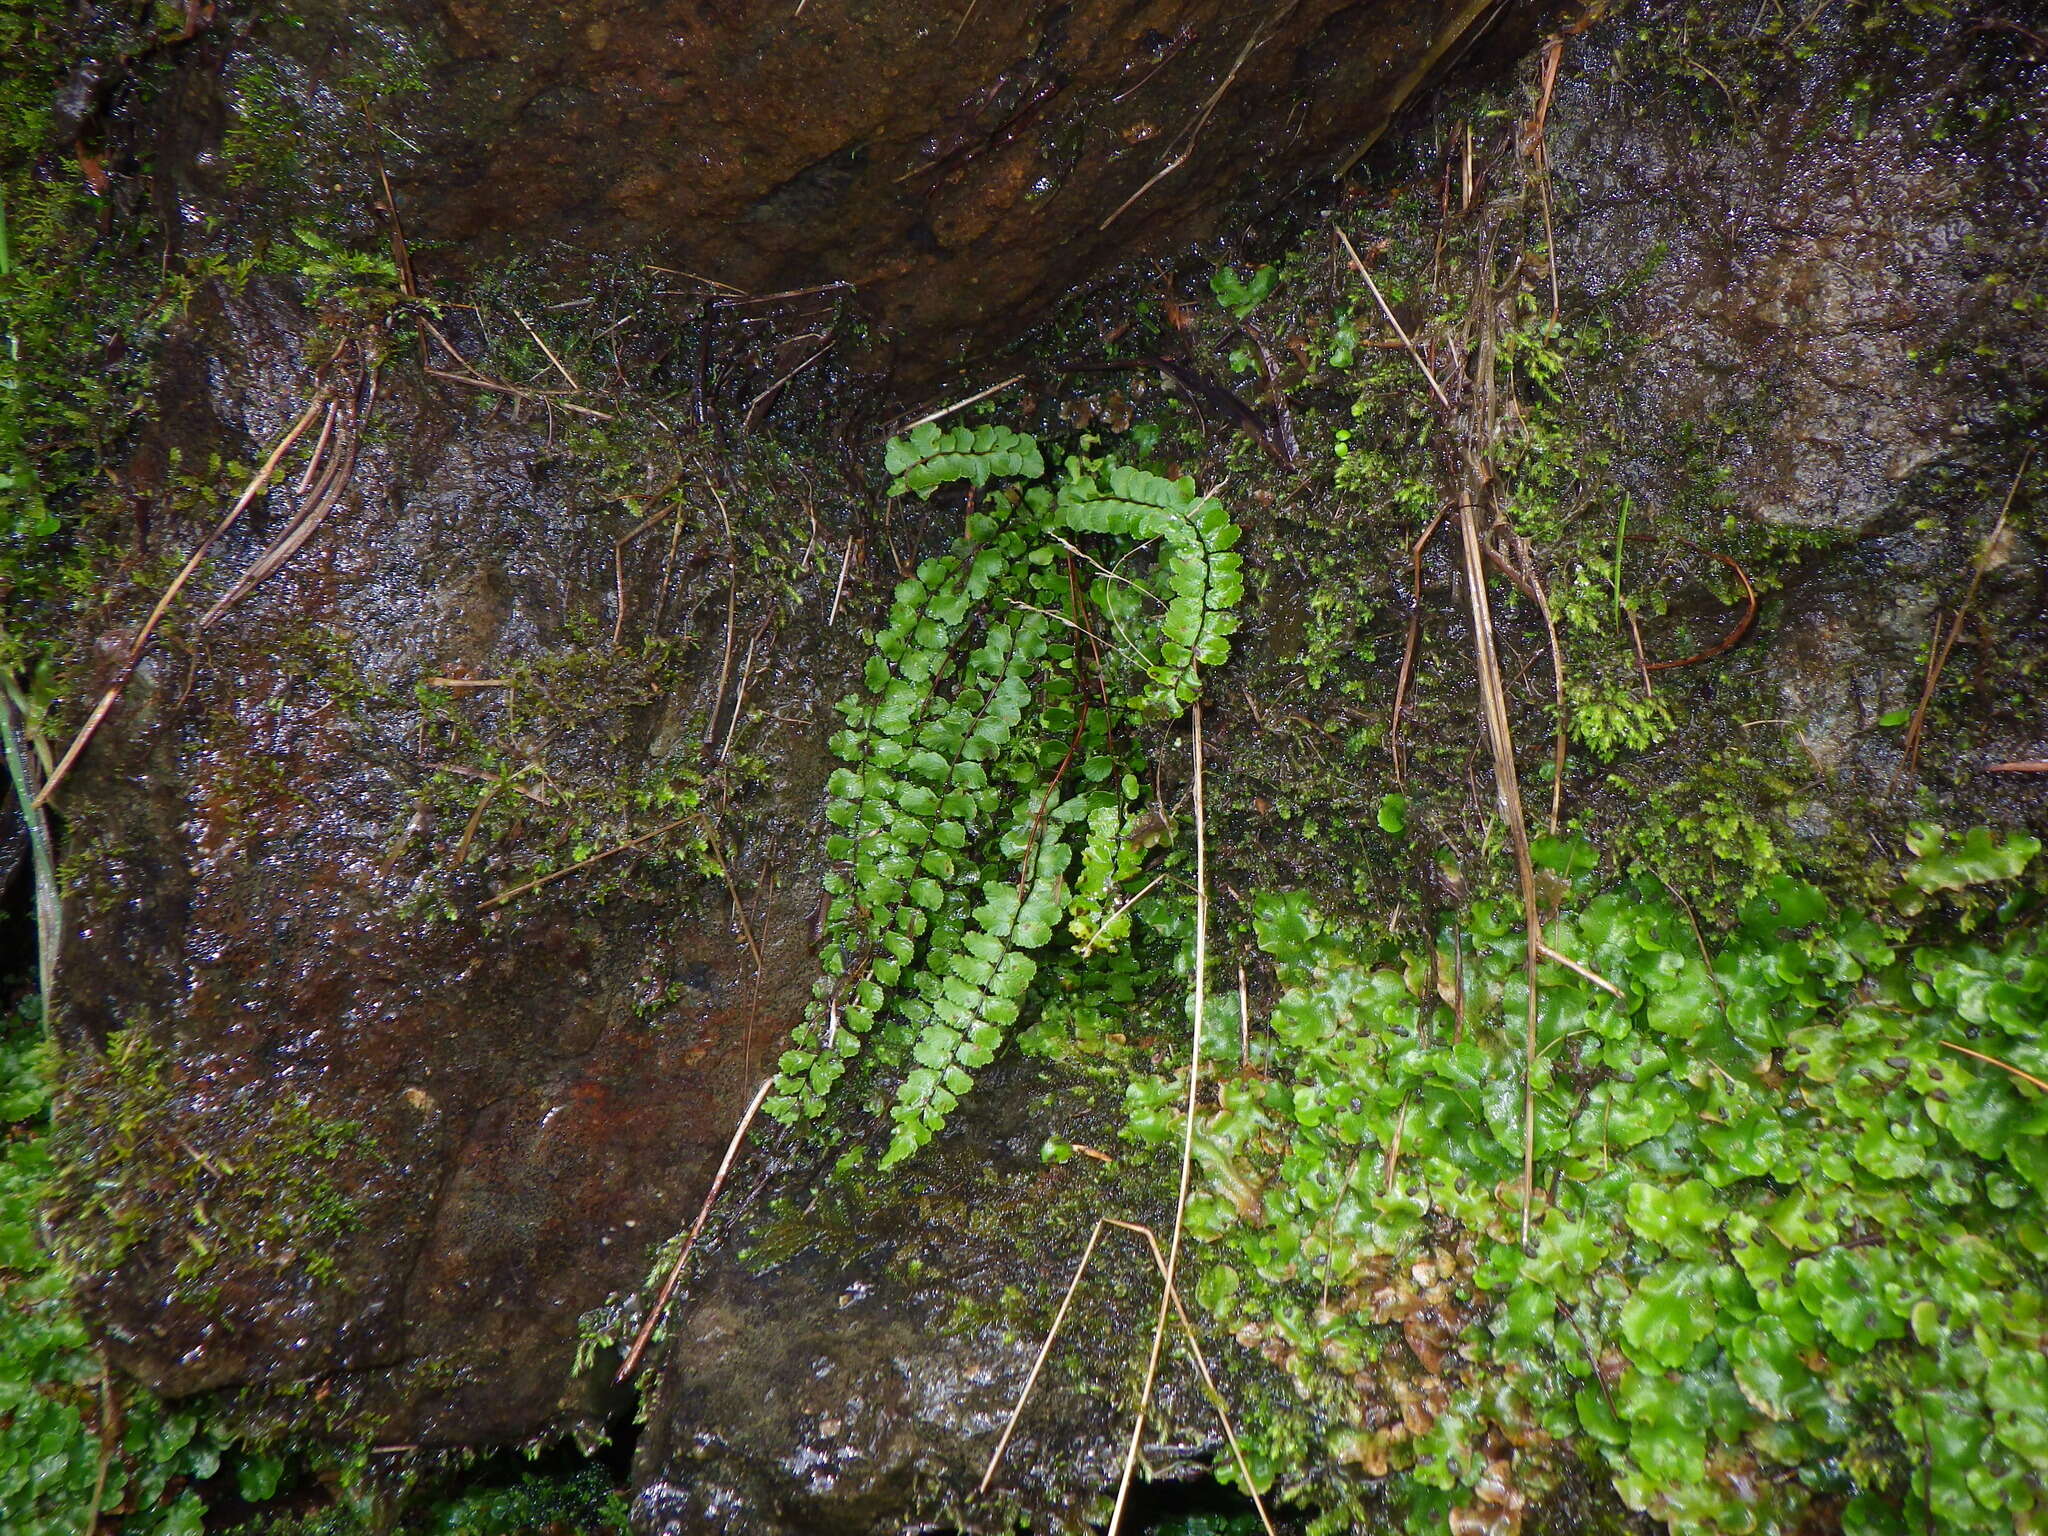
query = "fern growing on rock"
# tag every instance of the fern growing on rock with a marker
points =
(987, 801)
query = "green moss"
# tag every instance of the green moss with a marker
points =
(269, 127)
(269, 1182)
(75, 331)
(308, 93)
(1613, 715)
(514, 1502)
(1777, 1214)
(69, 1425)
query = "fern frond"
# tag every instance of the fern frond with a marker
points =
(951, 854)
(1199, 571)
(967, 1007)
(929, 458)
(922, 798)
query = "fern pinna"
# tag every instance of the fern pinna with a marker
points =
(989, 748)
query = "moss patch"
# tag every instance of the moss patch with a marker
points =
(267, 1179)
(1782, 1211)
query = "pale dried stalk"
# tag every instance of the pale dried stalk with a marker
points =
(1187, 1145)
(732, 1150)
(127, 670)
(1059, 1320)
(1194, 1348)
(1494, 704)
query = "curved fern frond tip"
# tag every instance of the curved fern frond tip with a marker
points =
(929, 457)
(1201, 576)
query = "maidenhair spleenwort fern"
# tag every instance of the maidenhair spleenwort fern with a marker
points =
(992, 744)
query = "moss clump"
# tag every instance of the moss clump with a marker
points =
(71, 1426)
(553, 768)
(1785, 1255)
(75, 330)
(266, 1179)
(68, 1427)
(506, 1499)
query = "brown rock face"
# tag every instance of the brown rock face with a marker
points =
(332, 1110)
(963, 165)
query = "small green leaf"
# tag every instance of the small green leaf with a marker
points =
(1238, 295)
(1671, 1311)
(1768, 1366)
(1947, 863)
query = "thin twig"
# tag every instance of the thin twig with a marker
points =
(553, 397)
(463, 770)
(652, 520)
(1955, 630)
(1541, 598)
(759, 406)
(127, 668)
(1187, 1329)
(1473, 476)
(560, 367)
(960, 405)
(1393, 1158)
(1186, 138)
(703, 1215)
(739, 702)
(1994, 1061)
(839, 587)
(1406, 341)
(1752, 605)
(1409, 648)
(711, 836)
(1187, 1146)
(1180, 41)
(1586, 971)
(333, 481)
(1635, 631)
(1539, 141)
(1164, 1266)
(1244, 1018)
(1109, 573)
(1927, 680)
(1031, 1381)
(787, 293)
(1699, 939)
(22, 768)
(732, 598)
(1125, 906)
(476, 819)
(569, 869)
(668, 570)
(319, 452)
(401, 255)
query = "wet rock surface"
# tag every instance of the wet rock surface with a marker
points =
(963, 166)
(1823, 266)
(848, 1360)
(333, 1112)
(1831, 269)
